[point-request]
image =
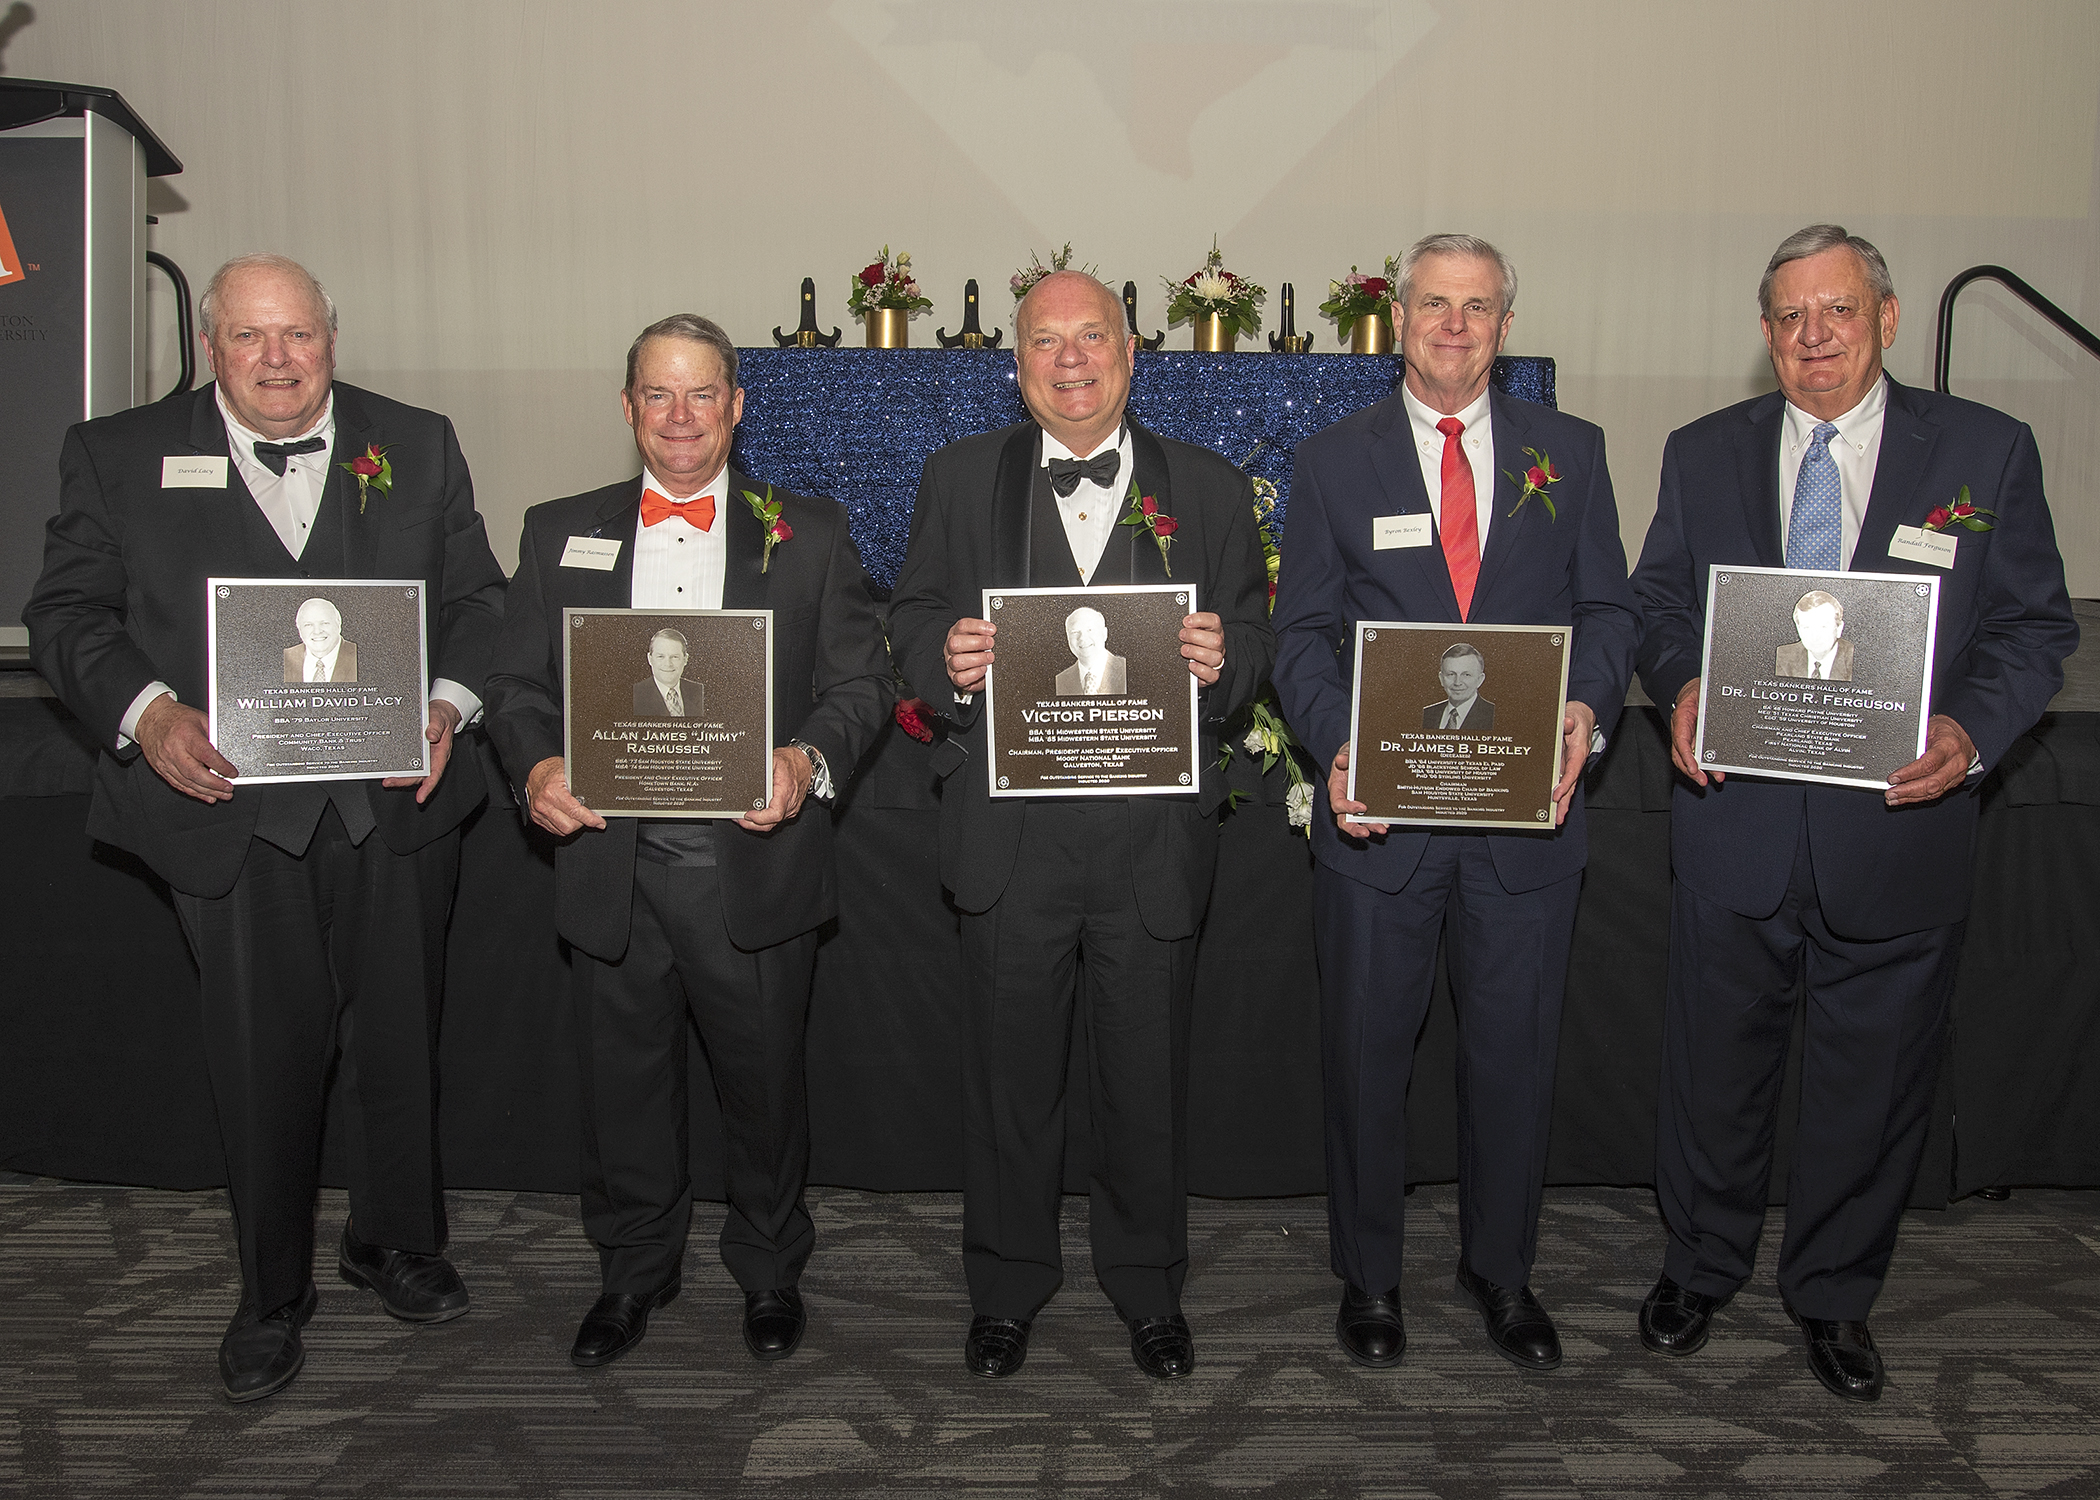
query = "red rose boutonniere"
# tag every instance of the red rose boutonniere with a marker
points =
(777, 530)
(1144, 511)
(373, 472)
(1537, 480)
(1960, 513)
(915, 718)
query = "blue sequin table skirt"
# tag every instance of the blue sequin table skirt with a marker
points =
(857, 424)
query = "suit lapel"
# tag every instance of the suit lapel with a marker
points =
(1010, 490)
(618, 516)
(228, 522)
(743, 585)
(353, 433)
(1148, 463)
(1757, 473)
(1907, 442)
(1512, 431)
(1399, 471)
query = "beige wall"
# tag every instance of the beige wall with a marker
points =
(499, 194)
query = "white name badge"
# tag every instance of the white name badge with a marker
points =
(597, 553)
(1916, 544)
(195, 471)
(1401, 531)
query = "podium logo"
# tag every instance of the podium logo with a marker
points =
(11, 267)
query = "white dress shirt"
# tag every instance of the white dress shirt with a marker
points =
(1819, 666)
(1477, 442)
(322, 668)
(1856, 450)
(677, 565)
(289, 503)
(1092, 511)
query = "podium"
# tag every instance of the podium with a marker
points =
(73, 343)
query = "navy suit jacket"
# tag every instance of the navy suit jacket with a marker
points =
(2005, 626)
(1537, 570)
(831, 689)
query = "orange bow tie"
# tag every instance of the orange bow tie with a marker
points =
(698, 514)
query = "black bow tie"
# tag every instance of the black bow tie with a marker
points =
(272, 456)
(1065, 473)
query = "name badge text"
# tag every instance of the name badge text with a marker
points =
(194, 471)
(595, 552)
(1916, 544)
(1401, 531)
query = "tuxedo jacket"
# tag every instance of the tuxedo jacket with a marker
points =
(1480, 716)
(649, 699)
(1115, 678)
(1791, 660)
(831, 689)
(1566, 568)
(344, 670)
(2005, 626)
(121, 604)
(970, 531)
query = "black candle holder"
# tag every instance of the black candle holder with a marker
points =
(806, 335)
(971, 335)
(1130, 312)
(1286, 339)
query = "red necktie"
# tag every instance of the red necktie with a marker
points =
(698, 514)
(1457, 522)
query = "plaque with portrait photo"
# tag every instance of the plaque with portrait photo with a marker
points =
(1089, 695)
(318, 679)
(669, 712)
(1457, 726)
(1816, 676)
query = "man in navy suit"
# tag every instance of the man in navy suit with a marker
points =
(1445, 452)
(1859, 895)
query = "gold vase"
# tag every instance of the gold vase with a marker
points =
(889, 328)
(1372, 333)
(1214, 334)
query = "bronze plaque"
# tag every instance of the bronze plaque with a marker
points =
(1816, 676)
(1089, 694)
(318, 679)
(1457, 725)
(669, 712)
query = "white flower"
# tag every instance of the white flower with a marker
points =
(1254, 742)
(1213, 288)
(1298, 803)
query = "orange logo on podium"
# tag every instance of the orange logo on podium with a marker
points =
(10, 263)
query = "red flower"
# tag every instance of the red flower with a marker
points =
(1375, 285)
(366, 463)
(783, 532)
(1964, 509)
(1538, 476)
(1163, 525)
(913, 715)
(1149, 505)
(1272, 593)
(1939, 517)
(872, 275)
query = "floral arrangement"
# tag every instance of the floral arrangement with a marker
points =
(1359, 296)
(374, 471)
(775, 525)
(1025, 279)
(1537, 480)
(1213, 289)
(886, 283)
(1144, 511)
(1265, 733)
(1962, 512)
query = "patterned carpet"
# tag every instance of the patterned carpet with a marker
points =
(112, 1301)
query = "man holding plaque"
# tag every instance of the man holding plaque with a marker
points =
(1858, 895)
(1447, 502)
(1111, 886)
(316, 909)
(670, 918)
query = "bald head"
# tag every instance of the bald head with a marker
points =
(1073, 355)
(1060, 289)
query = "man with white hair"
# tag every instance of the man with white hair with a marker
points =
(1095, 670)
(316, 910)
(322, 654)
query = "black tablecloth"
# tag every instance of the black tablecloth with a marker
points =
(101, 1073)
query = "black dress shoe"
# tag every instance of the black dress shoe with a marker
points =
(995, 1347)
(1163, 1347)
(1842, 1355)
(615, 1324)
(1517, 1327)
(773, 1322)
(1369, 1328)
(260, 1355)
(1674, 1320)
(417, 1288)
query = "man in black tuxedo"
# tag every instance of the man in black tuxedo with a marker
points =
(671, 916)
(1858, 896)
(667, 693)
(316, 910)
(1116, 886)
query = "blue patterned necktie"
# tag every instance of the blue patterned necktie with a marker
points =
(1814, 532)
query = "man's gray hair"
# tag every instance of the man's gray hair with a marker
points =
(327, 604)
(1815, 599)
(1814, 240)
(1455, 244)
(1463, 648)
(684, 326)
(668, 634)
(208, 304)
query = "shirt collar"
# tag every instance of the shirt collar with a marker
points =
(1424, 419)
(717, 487)
(1052, 448)
(1856, 428)
(245, 438)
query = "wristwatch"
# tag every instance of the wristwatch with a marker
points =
(820, 785)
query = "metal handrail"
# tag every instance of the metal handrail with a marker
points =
(1943, 350)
